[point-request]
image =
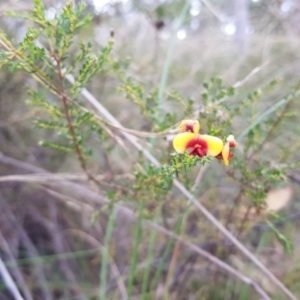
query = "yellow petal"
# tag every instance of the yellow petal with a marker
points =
(225, 154)
(214, 144)
(196, 126)
(180, 141)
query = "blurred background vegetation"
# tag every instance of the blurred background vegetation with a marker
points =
(58, 240)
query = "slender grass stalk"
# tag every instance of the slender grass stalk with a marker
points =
(150, 256)
(46, 259)
(166, 253)
(105, 253)
(169, 246)
(245, 288)
(164, 76)
(269, 111)
(134, 258)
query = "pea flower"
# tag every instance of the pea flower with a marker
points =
(226, 155)
(189, 126)
(202, 144)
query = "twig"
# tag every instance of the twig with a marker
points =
(241, 228)
(253, 72)
(235, 203)
(68, 118)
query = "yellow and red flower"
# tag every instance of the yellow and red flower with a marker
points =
(202, 144)
(189, 126)
(226, 155)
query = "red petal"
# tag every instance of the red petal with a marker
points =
(193, 152)
(201, 152)
(197, 142)
(220, 156)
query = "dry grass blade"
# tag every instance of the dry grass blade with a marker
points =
(30, 247)
(46, 177)
(9, 282)
(17, 273)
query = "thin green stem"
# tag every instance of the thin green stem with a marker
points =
(105, 253)
(163, 80)
(52, 258)
(166, 253)
(134, 258)
(272, 109)
(150, 257)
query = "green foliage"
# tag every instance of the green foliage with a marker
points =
(187, 105)
(148, 105)
(91, 64)
(287, 244)
(156, 182)
(48, 66)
